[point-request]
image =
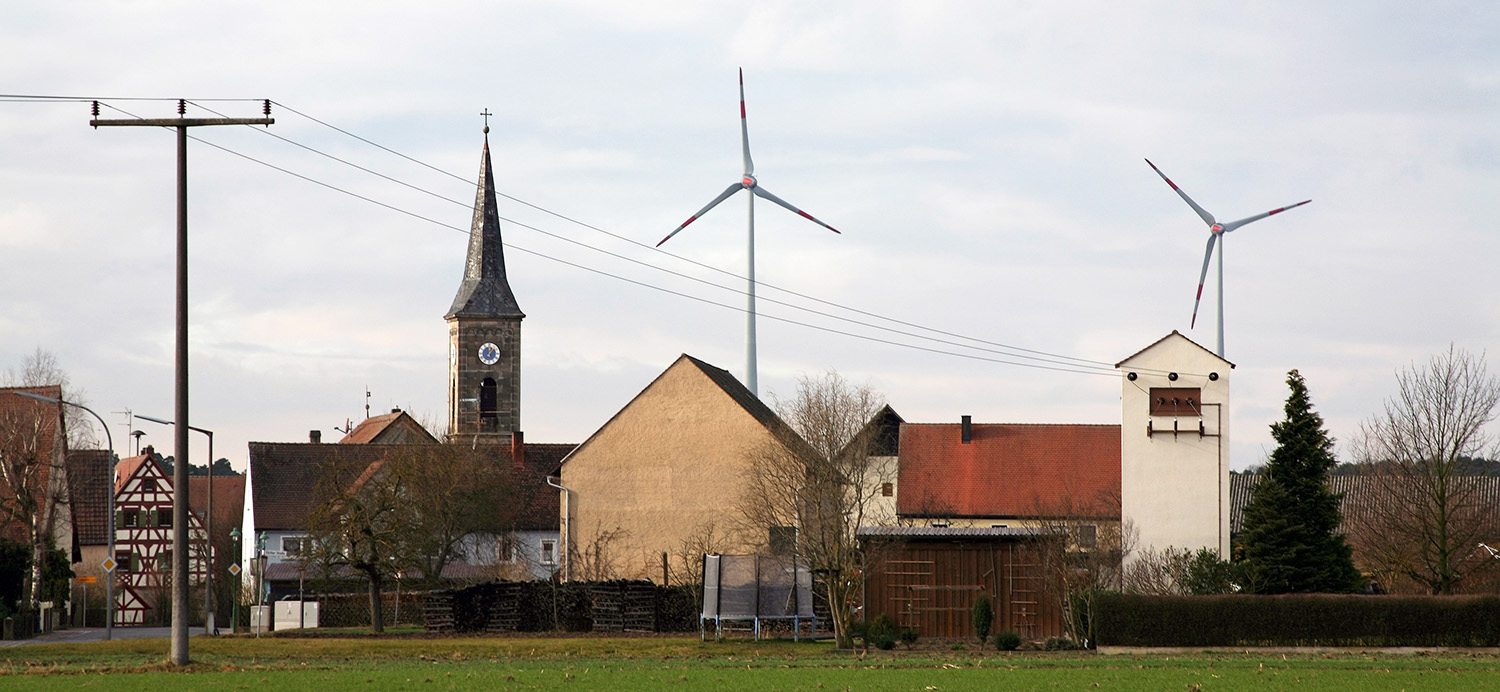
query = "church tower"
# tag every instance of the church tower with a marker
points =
(484, 329)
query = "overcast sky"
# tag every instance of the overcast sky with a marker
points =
(984, 161)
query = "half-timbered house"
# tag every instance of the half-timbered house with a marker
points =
(143, 541)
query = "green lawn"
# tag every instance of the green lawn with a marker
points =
(624, 665)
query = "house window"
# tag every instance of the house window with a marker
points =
(887, 489)
(1088, 536)
(164, 516)
(130, 518)
(782, 540)
(164, 561)
(293, 545)
(549, 552)
(999, 526)
(940, 524)
(122, 560)
(1176, 401)
(148, 485)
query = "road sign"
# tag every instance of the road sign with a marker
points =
(109, 564)
(84, 580)
(234, 570)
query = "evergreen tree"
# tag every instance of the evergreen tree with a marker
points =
(1291, 540)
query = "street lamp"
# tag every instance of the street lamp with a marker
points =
(109, 579)
(260, 581)
(210, 627)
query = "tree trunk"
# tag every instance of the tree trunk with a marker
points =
(377, 616)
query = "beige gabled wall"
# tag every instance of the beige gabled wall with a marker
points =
(657, 475)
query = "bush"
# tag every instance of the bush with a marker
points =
(882, 632)
(1298, 620)
(1007, 641)
(1059, 644)
(984, 616)
(908, 636)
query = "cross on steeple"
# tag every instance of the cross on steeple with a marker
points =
(486, 113)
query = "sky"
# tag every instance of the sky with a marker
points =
(983, 160)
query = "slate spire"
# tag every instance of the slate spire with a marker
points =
(485, 291)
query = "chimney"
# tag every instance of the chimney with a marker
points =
(966, 424)
(315, 436)
(518, 450)
(395, 410)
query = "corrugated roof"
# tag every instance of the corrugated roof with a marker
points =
(1009, 470)
(88, 492)
(1354, 491)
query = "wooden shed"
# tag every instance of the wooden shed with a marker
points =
(927, 578)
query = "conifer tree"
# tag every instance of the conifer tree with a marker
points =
(1291, 540)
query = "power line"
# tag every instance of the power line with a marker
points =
(1078, 366)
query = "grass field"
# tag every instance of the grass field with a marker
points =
(627, 664)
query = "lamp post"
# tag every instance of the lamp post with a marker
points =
(210, 627)
(109, 579)
(234, 609)
(260, 580)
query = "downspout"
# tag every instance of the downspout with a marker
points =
(567, 537)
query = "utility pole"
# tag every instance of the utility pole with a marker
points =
(179, 653)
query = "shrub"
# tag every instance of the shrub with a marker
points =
(1059, 644)
(1007, 641)
(984, 616)
(882, 632)
(908, 635)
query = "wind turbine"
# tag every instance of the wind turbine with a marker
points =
(747, 182)
(1215, 231)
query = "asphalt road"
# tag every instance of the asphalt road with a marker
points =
(96, 634)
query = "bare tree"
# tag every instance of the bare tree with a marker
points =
(1424, 517)
(41, 368)
(32, 476)
(810, 490)
(1081, 550)
(460, 499)
(361, 523)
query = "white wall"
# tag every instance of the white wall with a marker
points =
(1174, 488)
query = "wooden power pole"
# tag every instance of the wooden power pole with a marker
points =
(180, 609)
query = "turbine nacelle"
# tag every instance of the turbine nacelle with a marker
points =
(748, 181)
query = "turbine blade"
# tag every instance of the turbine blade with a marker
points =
(1207, 217)
(722, 196)
(1250, 219)
(763, 193)
(1208, 254)
(745, 128)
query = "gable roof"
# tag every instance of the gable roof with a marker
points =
(1009, 470)
(731, 387)
(127, 468)
(88, 493)
(1179, 335)
(396, 427)
(285, 476)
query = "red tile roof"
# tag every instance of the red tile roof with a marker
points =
(229, 500)
(396, 427)
(286, 475)
(1009, 471)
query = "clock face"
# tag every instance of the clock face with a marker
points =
(489, 353)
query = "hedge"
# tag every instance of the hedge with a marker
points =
(1297, 620)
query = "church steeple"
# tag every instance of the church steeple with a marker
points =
(484, 330)
(485, 292)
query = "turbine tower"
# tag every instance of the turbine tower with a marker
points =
(747, 182)
(1216, 231)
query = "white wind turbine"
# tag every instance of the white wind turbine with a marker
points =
(747, 182)
(1215, 231)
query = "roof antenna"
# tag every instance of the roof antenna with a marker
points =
(367, 402)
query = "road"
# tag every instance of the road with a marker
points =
(96, 634)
